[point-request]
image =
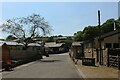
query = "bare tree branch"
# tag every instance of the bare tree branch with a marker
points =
(25, 28)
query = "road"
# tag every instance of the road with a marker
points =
(55, 66)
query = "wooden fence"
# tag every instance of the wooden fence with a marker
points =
(114, 58)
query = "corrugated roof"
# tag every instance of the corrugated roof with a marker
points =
(76, 43)
(34, 44)
(1, 43)
(12, 43)
(53, 44)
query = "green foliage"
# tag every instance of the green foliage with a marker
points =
(68, 41)
(50, 39)
(2, 39)
(108, 26)
(88, 33)
(60, 36)
(91, 32)
(78, 36)
(118, 23)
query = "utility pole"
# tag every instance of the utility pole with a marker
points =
(99, 37)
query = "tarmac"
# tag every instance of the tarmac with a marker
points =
(98, 72)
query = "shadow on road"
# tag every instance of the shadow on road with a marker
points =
(50, 60)
(8, 70)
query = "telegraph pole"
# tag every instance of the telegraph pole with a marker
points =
(99, 20)
(99, 38)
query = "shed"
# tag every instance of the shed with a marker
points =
(53, 47)
(4, 52)
(110, 46)
(77, 50)
(34, 46)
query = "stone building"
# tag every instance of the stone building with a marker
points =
(107, 41)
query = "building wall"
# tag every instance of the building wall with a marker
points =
(112, 39)
(23, 54)
(5, 52)
(93, 54)
(105, 56)
(88, 52)
(17, 52)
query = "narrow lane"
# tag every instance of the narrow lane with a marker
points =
(55, 66)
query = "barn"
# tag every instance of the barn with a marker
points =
(53, 47)
(17, 51)
(108, 55)
(4, 51)
(4, 54)
(14, 51)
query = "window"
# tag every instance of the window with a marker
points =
(108, 45)
(116, 45)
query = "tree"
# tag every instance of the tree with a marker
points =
(60, 36)
(26, 28)
(108, 26)
(50, 39)
(78, 36)
(90, 32)
(87, 34)
(117, 23)
(10, 37)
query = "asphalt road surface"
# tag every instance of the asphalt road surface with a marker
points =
(55, 66)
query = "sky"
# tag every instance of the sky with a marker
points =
(66, 18)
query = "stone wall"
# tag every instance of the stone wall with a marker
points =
(92, 53)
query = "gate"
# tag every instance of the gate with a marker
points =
(114, 58)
